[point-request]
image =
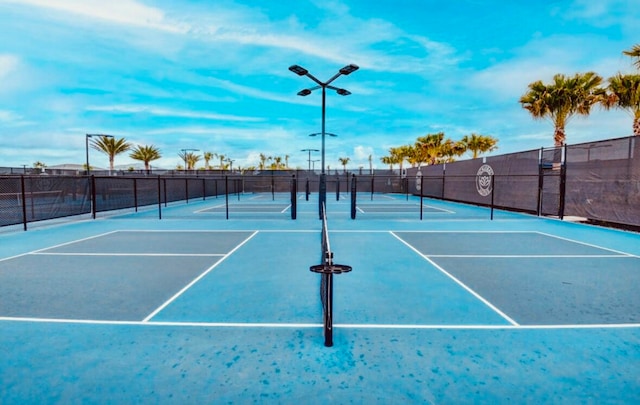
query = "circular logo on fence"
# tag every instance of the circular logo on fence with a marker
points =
(419, 180)
(483, 180)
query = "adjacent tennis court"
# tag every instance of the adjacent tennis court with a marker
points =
(450, 308)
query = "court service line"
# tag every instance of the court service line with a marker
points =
(285, 210)
(194, 281)
(586, 244)
(460, 283)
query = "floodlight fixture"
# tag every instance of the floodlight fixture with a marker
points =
(349, 69)
(299, 70)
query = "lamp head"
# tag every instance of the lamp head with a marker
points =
(304, 92)
(349, 69)
(299, 70)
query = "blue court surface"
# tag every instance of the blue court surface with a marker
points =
(196, 308)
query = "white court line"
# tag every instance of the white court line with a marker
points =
(34, 252)
(185, 288)
(535, 256)
(460, 283)
(131, 254)
(285, 210)
(587, 244)
(73, 241)
(319, 325)
(208, 209)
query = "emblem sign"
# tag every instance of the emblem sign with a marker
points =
(483, 180)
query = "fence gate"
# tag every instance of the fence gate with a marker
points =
(552, 182)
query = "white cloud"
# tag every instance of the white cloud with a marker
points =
(168, 112)
(8, 64)
(126, 12)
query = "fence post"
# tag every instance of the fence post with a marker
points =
(24, 203)
(493, 191)
(422, 194)
(135, 194)
(563, 181)
(93, 196)
(226, 194)
(186, 189)
(159, 198)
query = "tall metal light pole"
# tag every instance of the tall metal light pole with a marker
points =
(300, 71)
(86, 147)
(309, 150)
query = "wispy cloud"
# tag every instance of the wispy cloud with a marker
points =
(8, 64)
(168, 112)
(126, 12)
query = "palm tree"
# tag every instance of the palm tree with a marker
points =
(634, 52)
(343, 162)
(145, 154)
(562, 99)
(286, 161)
(449, 150)
(478, 144)
(207, 158)
(222, 165)
(388, 160)
(624, 93)
(192, 159)
(429, 147)
(263, 160)
(111, 147)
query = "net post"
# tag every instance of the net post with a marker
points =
(372, 185)
(307, 190)
(328, 313)
(323, 194)
(273, 188)
(354, 190)
(338, 188)
(294, 197)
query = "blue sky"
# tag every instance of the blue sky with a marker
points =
(213, 75)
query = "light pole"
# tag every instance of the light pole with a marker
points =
(184, 155)
(300, 71)
(86, 147)
(309, 150)
(314, 163)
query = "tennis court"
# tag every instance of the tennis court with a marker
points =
(450, 308)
